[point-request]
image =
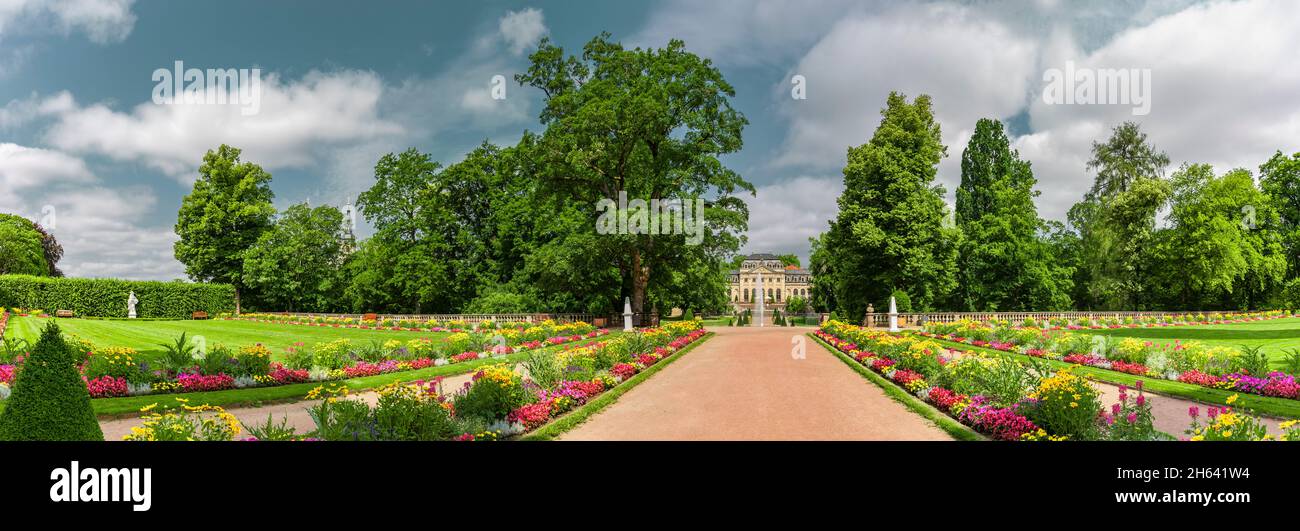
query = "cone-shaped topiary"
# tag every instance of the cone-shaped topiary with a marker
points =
(50, 401)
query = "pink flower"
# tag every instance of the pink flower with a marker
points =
(1194, 411)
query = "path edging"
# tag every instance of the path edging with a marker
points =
(941, 420)
(568, 421)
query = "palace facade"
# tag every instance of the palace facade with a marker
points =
(780, 282)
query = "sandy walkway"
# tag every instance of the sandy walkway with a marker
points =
(745, 385)
(1170, 413)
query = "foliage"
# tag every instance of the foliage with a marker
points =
(271, 431)
(296, 265)
(652, 123)
(185, 423)
(105, 297)
(1065, 404)
(222, 217)
(49, 401)
(543, 368)
(177, 356)
(23, 248)
(495, 392)
(1003, 262)
(889, 233)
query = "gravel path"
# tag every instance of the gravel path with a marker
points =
(744, 384)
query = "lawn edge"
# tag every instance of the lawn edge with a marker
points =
(577, 417)
(940, 419)
(1277, 408)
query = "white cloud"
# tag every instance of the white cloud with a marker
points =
(759, 32)
(102, 21)
(23, 168)
(1223, 92)
(100, 227)
(299, 122)
(522, 29)
(972, 66)
(783, 215)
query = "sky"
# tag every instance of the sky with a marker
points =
(84, 147)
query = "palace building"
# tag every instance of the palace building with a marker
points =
(780, 282)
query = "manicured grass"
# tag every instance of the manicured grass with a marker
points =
(147, 337)
(1263, 405)
(574, 418)
(946, 423)
(1274, 336)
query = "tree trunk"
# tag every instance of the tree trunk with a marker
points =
(237, 300)
(640, 280)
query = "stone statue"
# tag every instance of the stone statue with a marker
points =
(130, 305)
(627, 314)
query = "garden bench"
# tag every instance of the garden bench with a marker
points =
(200, 315)
(64, 314)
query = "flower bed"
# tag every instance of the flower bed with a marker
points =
(1000, 396)
(1244, 370)
(116, 371)
(498, 402)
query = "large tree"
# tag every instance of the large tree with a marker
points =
(26, 248)
(1123, 159)
(889, 235)
(1116, 220)
(398, 269)
(1225, 259)
(228, 210)
(1004, 262)
(1280, 180)
(296, 265)
(649, 122)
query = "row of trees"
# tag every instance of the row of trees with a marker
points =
(508, 228)
(1226, 242)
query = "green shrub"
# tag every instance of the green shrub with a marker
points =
(253, 360)
(270, 431)
(177, 356)
(50, 401)
(219, 360)
(689, 315)
(544, 368)
(1065, 404)
(106, 297)
(1253, 361)
(496, 392)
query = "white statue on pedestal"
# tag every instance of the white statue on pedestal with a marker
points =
(131, 301)
(627, 314)
(893, 315)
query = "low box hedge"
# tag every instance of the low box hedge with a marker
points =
(106, 297)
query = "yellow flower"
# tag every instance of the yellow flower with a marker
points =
(1232, 398)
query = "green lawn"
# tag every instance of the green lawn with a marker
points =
(147, 336)
(1275, 336)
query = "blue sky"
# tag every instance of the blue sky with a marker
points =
(343, 84)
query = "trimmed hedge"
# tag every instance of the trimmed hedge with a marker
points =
(50, 400)
(106, 297)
